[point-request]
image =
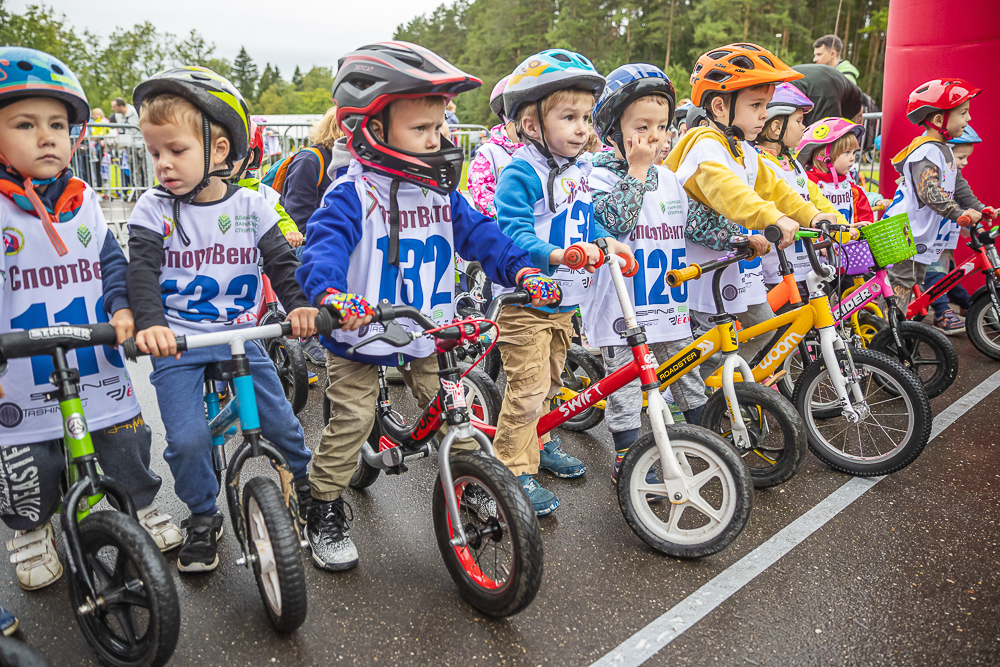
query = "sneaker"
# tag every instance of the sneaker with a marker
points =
(949, 324)
(313, 378)
(159, 526)
(329, 536)
(651, 477)
(559, 463)
(200, 552)
(8, 622)
(479, 502)
(314, 351)
(36, 557)
(542, 500)
(303, 492)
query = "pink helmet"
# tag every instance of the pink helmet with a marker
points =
(786, 99)
(823, 133)
(496, 99)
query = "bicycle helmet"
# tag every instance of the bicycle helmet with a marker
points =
(694, 116)
(969, 136)
(371, 77)
(624, 86)
(32, 73)
(218, 100)
(787, 100)
(938, 95)
(496, 100)
(256, 155)
(824, 133)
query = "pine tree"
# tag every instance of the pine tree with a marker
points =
(297, 79)
(270, 77)
(244, 75)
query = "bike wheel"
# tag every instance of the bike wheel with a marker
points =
(794, 364)
(493, 364)
(290, 363)
(982, 323)
(137, 619)
(274, 546)
(481, 395)
(869, 326)
(777, 444)
(935, 361)
(500, 570)
(719, 501)
(16, 653)
(581, 370)
(895, 419)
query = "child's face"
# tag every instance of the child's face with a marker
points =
(414, 125)
(845, 161)
(647, 119)
(959, 119)
(34, 137)
(511, 129)
(962, 153)
(795, 129)
(751, 111)
(566, 127)
(178, 156)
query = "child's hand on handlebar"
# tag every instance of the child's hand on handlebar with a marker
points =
(353, 310)
(592, 251)
(158, 341)
(759, 244)
(303, 321)
(972, 214)
(124, 324)
(543, 291)
(616, 247)
(788, 229)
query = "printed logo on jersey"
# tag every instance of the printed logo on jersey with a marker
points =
(800, 181)
(84, 235)
(425, 191)
(663, 207)
(10, 415)
(224, 223)
(569, 187)
(372, 206)
(168, 227)
(246, 224)
(921, 248)
(13, 241)
(619, 326)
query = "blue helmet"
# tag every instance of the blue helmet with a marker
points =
(624, 86)
(30, 73)
(969, 136)
(544, 73)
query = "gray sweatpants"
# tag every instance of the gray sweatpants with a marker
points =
(752, 316)
(625, 405)
(30, 474)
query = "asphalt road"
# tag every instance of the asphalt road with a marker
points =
(905, 575)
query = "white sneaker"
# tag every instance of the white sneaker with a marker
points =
(166, 535)
(36, 557)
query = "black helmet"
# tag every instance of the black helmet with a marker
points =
(625, 85)
(694, 116)
(371, 77)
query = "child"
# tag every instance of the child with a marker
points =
(730, 188)
(385, 230)
(61, 265)
(550, 96)
(944, 318)
(827, 152)
(194, 243)
(646, 207)
(776, 143)
(926, 192)
(493, 156)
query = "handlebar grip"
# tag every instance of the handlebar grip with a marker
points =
(631, 266)
(989, 213)
(132, 351)
(326, 322)
(677, 276)
(964, 221)
(44, 341)
(772, 233)
(286, 328)
(575, 257)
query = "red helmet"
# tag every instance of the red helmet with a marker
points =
(938, 95)
(256, 146)
(371, 77)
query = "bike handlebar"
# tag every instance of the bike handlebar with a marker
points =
(694, 271)
(185, 343)
(576, 258)
(46, 340)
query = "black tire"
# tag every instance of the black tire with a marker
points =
(516, 528)
(777, 444)
(793, 365)
(493, 363)
(269, 526)
(290, 363)
(902, 408)
(582, 369)
(650, 519)
(870, 325)
(481, 395)
(16, 653)
(935, 361)
(983, 326)
(118, 552)
(364, 474)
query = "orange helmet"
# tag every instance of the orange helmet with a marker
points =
(737, 66)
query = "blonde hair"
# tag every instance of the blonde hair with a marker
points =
(845, 144)
(170, 109)
(569, 95)
(327, 130)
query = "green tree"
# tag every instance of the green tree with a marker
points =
(270, 77)
(297, 78)
(244, 75)
(134, 55)
(318, 78)
(193, 50)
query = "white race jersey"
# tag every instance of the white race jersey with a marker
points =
(932, 233)
(796, 254)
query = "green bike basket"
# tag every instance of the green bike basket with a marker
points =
(890, 239)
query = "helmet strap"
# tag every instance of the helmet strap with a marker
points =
(828, 161)
(943, 130)
(392, 253)
(733, 133)
(543, 148)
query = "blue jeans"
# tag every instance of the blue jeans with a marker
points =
(180, 395)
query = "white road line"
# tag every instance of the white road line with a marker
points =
(647, 642)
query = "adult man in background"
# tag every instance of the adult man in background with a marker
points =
(831, 92)
(827, 50)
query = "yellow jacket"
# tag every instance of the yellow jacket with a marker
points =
(816, 197)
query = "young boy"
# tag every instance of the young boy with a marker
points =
(61, 265)
(194, 244)
(543, 202)
(645, 205)
(926, 192)
(728, 182)
(389, 229)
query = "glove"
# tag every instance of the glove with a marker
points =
(347, 305)
(538, 286)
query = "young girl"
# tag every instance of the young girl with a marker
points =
(827, 153)
(493, 156)
(776, 143)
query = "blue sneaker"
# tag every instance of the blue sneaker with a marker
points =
(8, 622)
(559, 463)
(543, 500)
(313, 379)
(314, 352)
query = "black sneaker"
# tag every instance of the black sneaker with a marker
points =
(480, 502)
(328, 533)
(200, 551)
(304, 494)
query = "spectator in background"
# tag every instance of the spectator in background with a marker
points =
(95, 151)
(833, 93)
(449, 114)
(126, 114)
(827, 50)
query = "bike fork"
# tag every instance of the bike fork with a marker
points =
(830, 343)
(447, 480)
(741, 436)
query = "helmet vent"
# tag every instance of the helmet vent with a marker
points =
(718, 76)
(922, 90)
(767, 60)
(562, 57)
(57, 69)
(698, 68)
(200, 77)
(742, 61)
(26, 66)
(718, 55)
(410, 58)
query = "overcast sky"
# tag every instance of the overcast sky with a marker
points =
(286, 32)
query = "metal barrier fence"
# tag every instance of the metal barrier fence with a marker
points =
(869, 166)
